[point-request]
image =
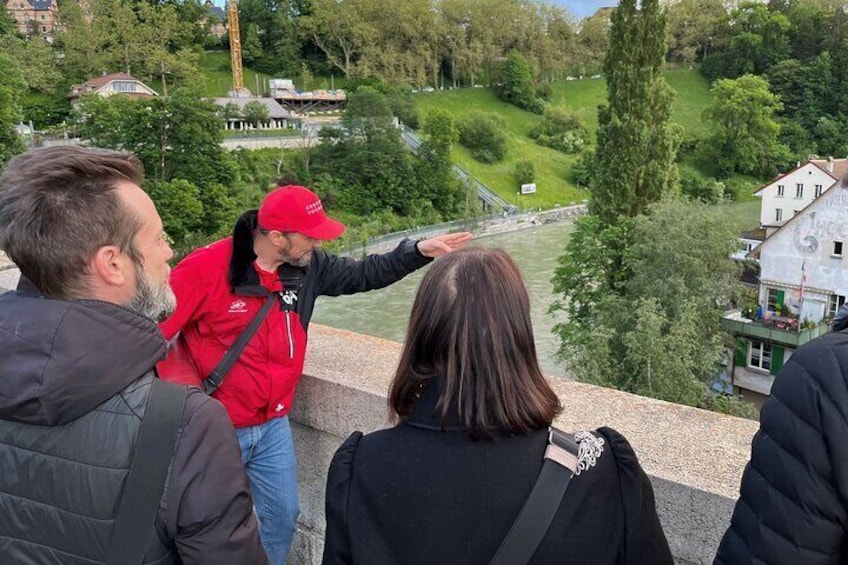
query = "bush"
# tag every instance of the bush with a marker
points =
(483, 135)
(696, 187)
(544, 91)
(581, 171)
(525, 172)
(515, 84)
(561, 130)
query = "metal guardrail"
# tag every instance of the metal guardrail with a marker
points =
(490, 199)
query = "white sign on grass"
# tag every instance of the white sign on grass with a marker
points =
(528, 188)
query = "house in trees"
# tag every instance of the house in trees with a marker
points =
(215, 19)
(803, 278)
(255, 113)
(34, 17)
(109, 85)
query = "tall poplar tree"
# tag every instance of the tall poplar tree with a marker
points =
(636, 143)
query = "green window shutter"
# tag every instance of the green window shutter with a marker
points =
(781, 294)
(740, 355)
(776, 359)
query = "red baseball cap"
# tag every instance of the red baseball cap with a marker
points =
(297, 209)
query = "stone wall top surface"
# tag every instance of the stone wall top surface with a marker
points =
(688, 446)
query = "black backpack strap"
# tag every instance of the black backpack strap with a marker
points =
(538, 512)
(216, 377)
(145, 482)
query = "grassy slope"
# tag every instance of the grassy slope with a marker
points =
(553, 168)
(214, 65)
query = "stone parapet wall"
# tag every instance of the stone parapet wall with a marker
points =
(695, 458)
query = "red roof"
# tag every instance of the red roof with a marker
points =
(106, 79)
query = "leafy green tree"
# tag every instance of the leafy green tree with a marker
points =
(593, 43)
(707, 190)
(525, 172)
(7, 24)
(760, 38)
(255, 113)
(693, 26)
(83, 39)
(434, 173)
(636, 144)
(743, 130)
(583, 168)
(177, 138)
(251, 48)
(36, 59)
(462, 51)
(483, 135)
(11, 85)
(440, 131)
(369, 166)
(339, 31)
(179, 205)
(517, 85)
(656, 336)
(590, 271)
(277, 24)
(166, 57)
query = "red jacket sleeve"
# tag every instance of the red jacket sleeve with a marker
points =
(191, 290)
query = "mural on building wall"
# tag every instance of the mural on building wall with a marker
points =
(814, 227)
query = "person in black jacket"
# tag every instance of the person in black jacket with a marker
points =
(78, 341)
(473, 411)
(793, 500)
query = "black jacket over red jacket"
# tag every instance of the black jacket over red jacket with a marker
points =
(75, 378)
(219, 292)
(418, 494)
(793, 501)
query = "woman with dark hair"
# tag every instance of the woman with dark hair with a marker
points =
(473, 413)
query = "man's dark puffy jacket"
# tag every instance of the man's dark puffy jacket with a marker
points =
(74, 383)
(793, 503)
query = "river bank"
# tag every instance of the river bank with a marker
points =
(481, 227)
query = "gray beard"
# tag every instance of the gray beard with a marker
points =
(153, 300)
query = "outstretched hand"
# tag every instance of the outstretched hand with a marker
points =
(445, 243)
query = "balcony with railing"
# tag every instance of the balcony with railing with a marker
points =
(785, 330)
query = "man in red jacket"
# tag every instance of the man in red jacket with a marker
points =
(274, 251)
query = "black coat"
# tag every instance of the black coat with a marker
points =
(74, 384)
(417, 494)
(793, 501)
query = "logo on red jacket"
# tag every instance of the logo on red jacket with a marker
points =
(238, 306)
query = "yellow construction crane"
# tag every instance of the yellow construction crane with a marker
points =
(235, 50)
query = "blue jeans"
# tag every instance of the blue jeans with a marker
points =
(267, 452)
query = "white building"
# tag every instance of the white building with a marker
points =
(790, 193)
(278, 117)
(109, 85)
(803, 272)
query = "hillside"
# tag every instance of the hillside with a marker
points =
(218, 79)
(553, 169)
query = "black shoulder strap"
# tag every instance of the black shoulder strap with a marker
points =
(142, 493)
(538, 512)
(216, 377)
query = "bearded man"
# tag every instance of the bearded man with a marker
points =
(78, 342)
